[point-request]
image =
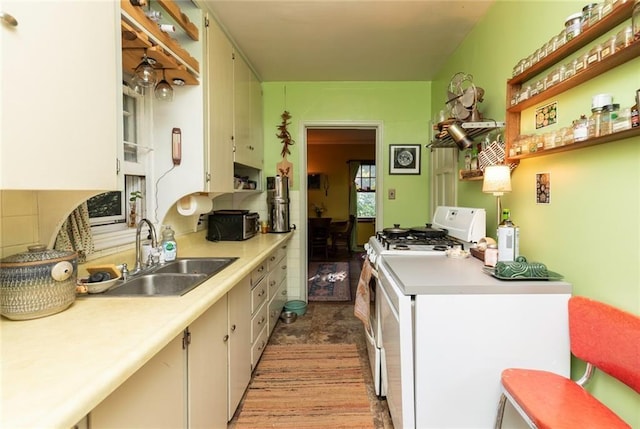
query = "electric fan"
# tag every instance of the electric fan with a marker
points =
(463, 98)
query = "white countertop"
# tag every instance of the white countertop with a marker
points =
(54, 370)
(438, 274)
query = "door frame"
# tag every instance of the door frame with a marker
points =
(303, 210)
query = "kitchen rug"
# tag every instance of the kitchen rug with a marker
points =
(329, 281)
(307, 386)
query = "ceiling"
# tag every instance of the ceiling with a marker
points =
(347, 40)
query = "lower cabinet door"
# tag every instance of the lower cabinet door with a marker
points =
(154, 397)
(207, 359)
(258, 347)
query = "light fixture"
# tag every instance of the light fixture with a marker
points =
(459, 136)
(163, 90)
(497, 181)
(145, 75)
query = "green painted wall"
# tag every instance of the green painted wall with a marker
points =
(591, 229)
(404, 108)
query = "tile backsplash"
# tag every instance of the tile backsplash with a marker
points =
(18, 221)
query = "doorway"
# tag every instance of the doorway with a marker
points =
(332, 154)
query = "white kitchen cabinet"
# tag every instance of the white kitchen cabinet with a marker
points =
(207, 368)
(153, 397)
(277, 285)
(219, 115)
(61, 118)
(247, 115)
(239, 342)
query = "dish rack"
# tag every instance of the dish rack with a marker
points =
(493, 154)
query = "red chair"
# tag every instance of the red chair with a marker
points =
(605, 338)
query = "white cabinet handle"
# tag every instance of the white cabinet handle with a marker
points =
(8, 19)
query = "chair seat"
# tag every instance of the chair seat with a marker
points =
(554, 402)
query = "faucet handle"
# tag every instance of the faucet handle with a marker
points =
(124, 271)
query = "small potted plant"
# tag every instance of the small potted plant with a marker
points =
(135, 195)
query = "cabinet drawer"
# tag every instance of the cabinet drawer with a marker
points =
(276, 304)
(275, 278)
(276, 257)
(258, 273)
(258, 295)
(258, 322)
(258, 347)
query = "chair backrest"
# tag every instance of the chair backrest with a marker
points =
(606, 337)
(319, 227)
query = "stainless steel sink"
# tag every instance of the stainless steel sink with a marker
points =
(158, 284)
(195, 265)
(173, 279)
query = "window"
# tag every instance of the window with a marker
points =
(110, 212)
(366, 190)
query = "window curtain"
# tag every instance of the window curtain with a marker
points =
(75, 233)
(354, 166)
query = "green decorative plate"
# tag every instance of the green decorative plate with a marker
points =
(551, 275)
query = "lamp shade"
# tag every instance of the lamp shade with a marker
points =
(497, 179)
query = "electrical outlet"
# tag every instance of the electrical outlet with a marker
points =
(392, 194)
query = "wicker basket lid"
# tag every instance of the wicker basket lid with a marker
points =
(37, 254)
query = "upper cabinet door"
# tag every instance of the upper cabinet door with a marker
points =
(219, 120)
(61, 95)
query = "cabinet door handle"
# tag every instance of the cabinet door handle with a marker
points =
(284, 267)
(273, 282)
(284, 292)
(225, 338)
(8, 19)
(261, 293)
(233, 328)
(262, 345)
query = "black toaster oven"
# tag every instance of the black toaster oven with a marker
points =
(232, 225)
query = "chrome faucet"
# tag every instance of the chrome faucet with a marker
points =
(154, 243)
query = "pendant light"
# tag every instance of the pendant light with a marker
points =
(145, 75)
(163, 90)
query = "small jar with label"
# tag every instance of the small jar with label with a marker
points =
(609, 116)
(624, 38)
(635, 20)
(491, 255)
(581, 63)
(581, 129)
(568, 138)
(595, 121)
(594, 55)
(569, 69)
(573, 25)
(607, 7)
(608, 47)
(561, 39)
(587, 12)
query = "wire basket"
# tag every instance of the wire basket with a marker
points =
(493, 154)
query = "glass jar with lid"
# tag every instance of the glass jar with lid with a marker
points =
(595, 120)
(573, 25)
(561, 39)
(635, 20)
(580, 129)
(594, 54)
(624, 38)
(607, 7)
(608, 47)
(587, 12)
(570, 69)
(595, 15)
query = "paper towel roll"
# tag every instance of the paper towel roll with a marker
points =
(194, 205)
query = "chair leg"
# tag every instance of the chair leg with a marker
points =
(500, 412)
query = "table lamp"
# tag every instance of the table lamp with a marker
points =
(497, 181)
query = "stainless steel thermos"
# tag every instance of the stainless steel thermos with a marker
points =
(278, 201)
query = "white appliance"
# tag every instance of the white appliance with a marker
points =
(459, 225)
(447, 329)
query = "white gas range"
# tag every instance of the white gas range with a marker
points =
(451, 226)
(442, 329)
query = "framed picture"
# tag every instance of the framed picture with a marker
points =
(404, 159)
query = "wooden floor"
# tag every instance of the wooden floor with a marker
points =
(334, 323)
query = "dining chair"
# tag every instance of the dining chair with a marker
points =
(319, 233)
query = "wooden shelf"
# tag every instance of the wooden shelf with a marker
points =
(136, 17)
(621, 135)
(627, 54)
(471, 175)
(618, 15)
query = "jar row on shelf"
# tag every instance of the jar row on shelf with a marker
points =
(574, 25)
(582, 129)
(596, 53)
